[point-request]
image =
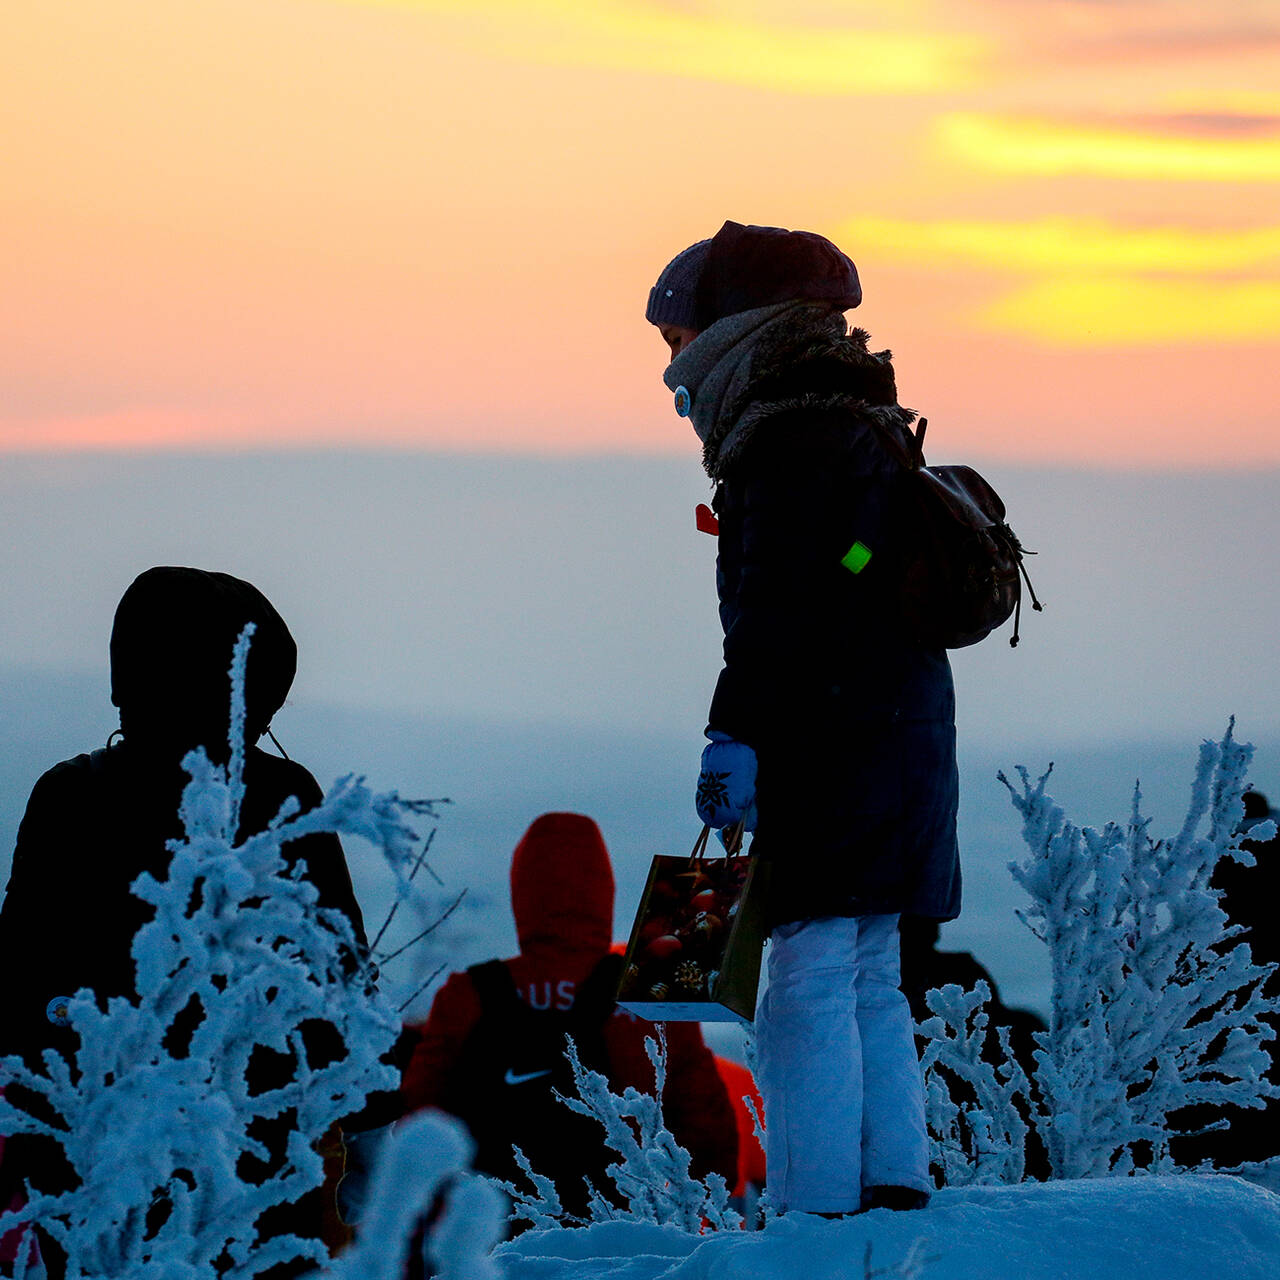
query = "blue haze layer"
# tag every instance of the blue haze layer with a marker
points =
(525, 634)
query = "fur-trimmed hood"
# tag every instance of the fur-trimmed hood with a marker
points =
(808, 364)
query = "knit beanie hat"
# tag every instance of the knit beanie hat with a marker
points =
(673, 300)
(744, 267)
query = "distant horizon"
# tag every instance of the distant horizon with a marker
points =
(937, 450)
(1006, 752)
(577, 587)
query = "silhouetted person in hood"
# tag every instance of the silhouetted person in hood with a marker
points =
(95, 822)
(562, 897)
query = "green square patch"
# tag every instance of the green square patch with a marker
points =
(857, 557)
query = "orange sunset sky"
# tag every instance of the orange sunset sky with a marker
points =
(433, 223)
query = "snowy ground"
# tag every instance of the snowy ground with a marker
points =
(1167, 1228)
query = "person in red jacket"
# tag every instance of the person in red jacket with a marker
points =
(741, 1086)
(562, 894)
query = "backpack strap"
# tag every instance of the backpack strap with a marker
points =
(908, 453)
(494, 985)
(598, 994)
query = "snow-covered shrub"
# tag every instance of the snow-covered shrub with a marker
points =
(652, 1174)
(982, 1139)
(424, 1160)
(157, 1116)
(1156, 1003)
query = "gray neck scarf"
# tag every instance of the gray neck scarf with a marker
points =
(715, 368)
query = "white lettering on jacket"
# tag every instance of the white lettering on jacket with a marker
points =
(538, 995)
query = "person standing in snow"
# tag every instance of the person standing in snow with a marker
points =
(467, 1057)
(830, 734)
(96, 822)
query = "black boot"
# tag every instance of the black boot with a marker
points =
(894, 1198)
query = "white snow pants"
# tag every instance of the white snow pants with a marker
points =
(837, 1066)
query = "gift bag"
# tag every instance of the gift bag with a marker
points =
(694, 953)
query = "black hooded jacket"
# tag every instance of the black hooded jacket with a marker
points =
(95, 822)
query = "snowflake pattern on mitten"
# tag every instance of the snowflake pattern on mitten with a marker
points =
(712, 790)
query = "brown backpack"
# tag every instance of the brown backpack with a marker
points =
(963, 573)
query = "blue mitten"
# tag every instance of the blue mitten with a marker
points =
(727, 783)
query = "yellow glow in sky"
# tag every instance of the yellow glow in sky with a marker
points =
(726, 46)
(1107, 312)
(1096, 284)
(1033, 147)
(1068, 244)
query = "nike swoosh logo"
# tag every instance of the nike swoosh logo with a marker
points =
(512, 1078)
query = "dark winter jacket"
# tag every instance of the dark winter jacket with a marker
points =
(562, 897)
(96, 822)
(853, 727)
(93, 824)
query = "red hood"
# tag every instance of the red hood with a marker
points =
(562, 885)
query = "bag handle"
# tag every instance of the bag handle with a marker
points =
(732, 846)
(700, 845)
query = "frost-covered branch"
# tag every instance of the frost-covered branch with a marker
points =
(409, 961)
(1157, 1005)
(652, 1174)
(425, 1161)
(982, 1137)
